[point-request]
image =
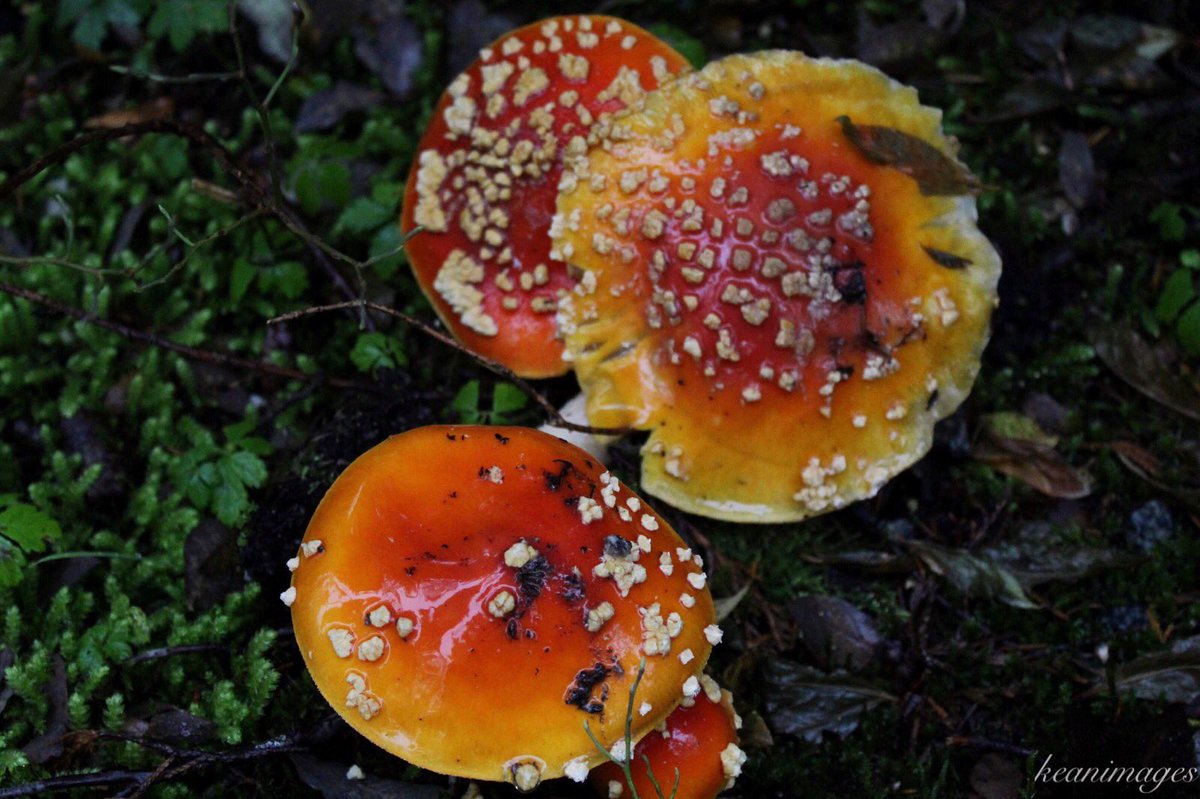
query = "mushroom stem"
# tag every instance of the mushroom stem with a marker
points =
(575, 411)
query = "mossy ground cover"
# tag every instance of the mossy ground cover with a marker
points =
(1029, 589)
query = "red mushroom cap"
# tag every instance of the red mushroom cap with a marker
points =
(467, 597)
(699, 739)
(487, 170)
(782, 281)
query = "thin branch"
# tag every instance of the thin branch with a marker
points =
(176, 763)
(191, 245)
(191, 760)
(194, 353)
(70, 782)
(449, 341)
(65, 263)
(169, 651)
(154, 77)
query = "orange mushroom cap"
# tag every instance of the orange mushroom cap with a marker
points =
(487, 170)
(467, 597)
(699, 739)
(782, 281)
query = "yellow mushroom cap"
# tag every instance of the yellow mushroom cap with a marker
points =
(782, 281)
(467, 597)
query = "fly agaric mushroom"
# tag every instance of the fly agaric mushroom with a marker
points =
(781, 279)
(467, 597)
(487, 171)
(699, 739)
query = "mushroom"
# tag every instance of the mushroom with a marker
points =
(467, 597)
(699, 739)
(483, 184)
(794, 296)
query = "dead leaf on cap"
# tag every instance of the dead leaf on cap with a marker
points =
(1014, 445)
(935, 172)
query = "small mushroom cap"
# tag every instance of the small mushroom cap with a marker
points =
(445, 595)
(792, 297)
(488, 167)
(700, 740)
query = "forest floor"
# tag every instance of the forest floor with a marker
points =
(1031, 588)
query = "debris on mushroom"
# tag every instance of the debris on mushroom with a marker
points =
(700, 739)
(440, 597)
(763, 249)
(483, 184)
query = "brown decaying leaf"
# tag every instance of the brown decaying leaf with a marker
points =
(1148, 468)
(935, 172)
(1173, 676)
(809, 703)
(1036, 556)
(973, 575)
(835, 633)
(1154, 371)
(1034, 462)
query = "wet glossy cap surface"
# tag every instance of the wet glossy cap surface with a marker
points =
(782, 280)
(466, 597)
(699, 739)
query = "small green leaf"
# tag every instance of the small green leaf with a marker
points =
(26, 526)
(375, 351)
(466, 402)
(246, 467)
(363, 215)
(507, 398)
(229, 498)
(1188, 330)
(1169, 218)
(90, 30)
(387, 240)
(240, 278)
(1190, 259)
(1176, 293)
